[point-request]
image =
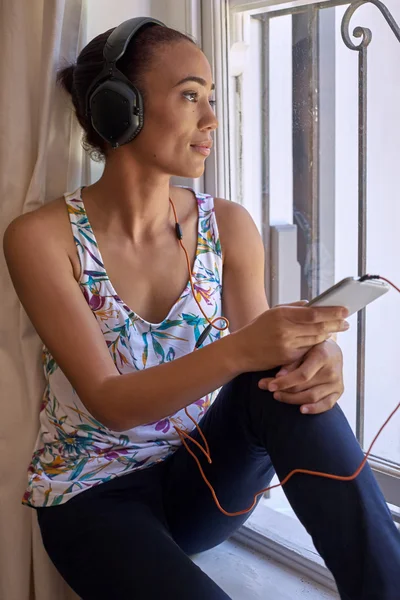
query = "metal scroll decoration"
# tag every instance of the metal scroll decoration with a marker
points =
(362, 48)
(364, 32)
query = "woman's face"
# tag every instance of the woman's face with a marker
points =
(178, 116)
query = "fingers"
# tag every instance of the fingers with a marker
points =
(263, 384)
(316, 333)
(281, 374)
(321, 365)
(322, 406)
(308, 397)
(311, 326)
(298, 303)
(333, 326)
(289, 368)
(296, 381)
(317, 314)
(307, 342)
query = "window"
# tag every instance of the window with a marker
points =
(292, 97)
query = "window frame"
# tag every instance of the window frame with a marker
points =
(223, 23)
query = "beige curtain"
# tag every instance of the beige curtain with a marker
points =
(40, 158)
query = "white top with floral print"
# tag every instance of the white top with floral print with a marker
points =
(74, 451)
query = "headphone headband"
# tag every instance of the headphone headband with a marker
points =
(119, 39)
(113, 103)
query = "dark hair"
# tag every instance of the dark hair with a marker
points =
(137, 60)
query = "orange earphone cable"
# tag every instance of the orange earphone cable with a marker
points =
(191, 283)
(183, 435)
(384, 279)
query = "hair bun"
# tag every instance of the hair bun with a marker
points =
(65, 78)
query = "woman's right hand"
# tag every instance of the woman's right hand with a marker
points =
(284, 334)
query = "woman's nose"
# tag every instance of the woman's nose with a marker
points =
(209, 120)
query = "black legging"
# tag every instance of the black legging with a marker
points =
(131, 537)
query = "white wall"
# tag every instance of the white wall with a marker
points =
(103, 14)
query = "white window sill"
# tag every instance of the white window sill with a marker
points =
(283, 539)
(248, 575)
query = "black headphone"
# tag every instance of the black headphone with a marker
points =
(113, 104)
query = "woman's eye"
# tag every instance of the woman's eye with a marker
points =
(194, 97)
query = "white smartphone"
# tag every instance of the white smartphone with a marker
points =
(352, 293)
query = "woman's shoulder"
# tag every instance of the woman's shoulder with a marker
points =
(235, 225)
(229, 210)
(233, 218)
(225, 210)
(47, 225)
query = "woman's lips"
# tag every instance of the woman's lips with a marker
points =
(202, 149)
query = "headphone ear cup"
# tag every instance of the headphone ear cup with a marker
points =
(116, 112)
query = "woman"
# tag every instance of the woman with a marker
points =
(110, 478)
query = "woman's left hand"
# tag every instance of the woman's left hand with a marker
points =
(315, 382)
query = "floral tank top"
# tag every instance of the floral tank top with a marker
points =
(74, 451)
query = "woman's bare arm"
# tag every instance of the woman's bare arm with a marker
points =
(244, 296)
